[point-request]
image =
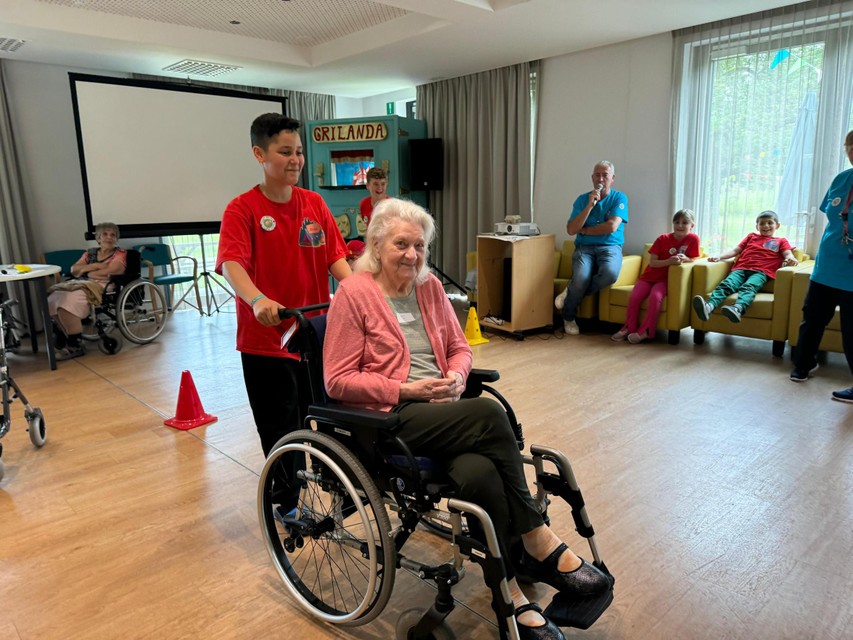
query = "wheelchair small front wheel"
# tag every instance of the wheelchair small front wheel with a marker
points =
(36, 427)
(141, 311)
(110, 344)
(409, 619)
(327, 530)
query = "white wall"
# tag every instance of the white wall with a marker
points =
(43, 121)
(348, 107)
(610, 103)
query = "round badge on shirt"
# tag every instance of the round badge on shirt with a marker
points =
(267, 223)
(836, 202)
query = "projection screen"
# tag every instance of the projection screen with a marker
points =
(163, 159)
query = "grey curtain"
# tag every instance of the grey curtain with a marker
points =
(485, 122)
(16, 238)
(300, 105)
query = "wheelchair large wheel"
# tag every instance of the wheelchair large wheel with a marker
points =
(141, 311)
(334, 551)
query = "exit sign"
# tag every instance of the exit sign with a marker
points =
(389, 108)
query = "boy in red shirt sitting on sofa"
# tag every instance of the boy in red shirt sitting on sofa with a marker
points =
(759, 257)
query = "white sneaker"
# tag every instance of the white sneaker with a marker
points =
(637, 338)
(560, 300)
(571, 327)
(620, 335)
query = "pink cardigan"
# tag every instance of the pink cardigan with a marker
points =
(365, 356)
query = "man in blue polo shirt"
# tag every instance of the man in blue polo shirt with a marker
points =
(597, 222)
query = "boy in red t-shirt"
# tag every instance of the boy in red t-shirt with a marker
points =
(759, 257)
(377, 183)
(278, 243)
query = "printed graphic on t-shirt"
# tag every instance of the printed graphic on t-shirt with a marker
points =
(772, 244)
(311, 234)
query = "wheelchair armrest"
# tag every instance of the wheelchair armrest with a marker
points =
(476, 379)
(355, 416)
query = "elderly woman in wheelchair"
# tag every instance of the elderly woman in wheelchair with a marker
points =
(70, 302)
(394, 347)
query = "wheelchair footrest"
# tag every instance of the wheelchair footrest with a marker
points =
(579, 613)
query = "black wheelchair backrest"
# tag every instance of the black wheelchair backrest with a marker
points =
(306, 337)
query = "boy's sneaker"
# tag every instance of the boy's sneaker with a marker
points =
(560, 300)
(703, 309)
(731, 312)
(620, 335)
(801, 375)
(67, 353)
(571, 327)
(845, 395)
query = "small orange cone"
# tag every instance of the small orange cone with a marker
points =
(472, 329)
(190, 413)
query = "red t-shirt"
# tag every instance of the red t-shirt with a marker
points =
(761, 254)
(366, 210)
(666, 246)
(287, 250)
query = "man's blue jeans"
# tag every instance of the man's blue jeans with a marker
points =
(594, 267)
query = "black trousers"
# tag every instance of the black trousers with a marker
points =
(818, 309)
(278, 393)
(475, 438)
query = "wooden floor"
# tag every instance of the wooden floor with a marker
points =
(721, 492)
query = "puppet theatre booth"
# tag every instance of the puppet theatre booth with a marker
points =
(340, 153)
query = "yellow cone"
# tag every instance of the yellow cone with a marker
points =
(472, 329)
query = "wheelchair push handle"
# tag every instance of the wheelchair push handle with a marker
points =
(299, 312)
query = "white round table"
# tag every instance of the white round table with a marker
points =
(35, 276)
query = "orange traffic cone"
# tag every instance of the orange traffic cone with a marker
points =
(472, 329)
(190, 413)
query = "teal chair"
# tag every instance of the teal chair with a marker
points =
(159, 255)
(64, 258)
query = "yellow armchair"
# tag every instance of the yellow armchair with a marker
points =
(675, 309)
(831, 340)
(766, 318)
(562, 275)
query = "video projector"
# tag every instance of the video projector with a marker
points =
(517, 228)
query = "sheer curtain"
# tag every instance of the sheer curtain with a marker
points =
(485, 121)
(761, 106)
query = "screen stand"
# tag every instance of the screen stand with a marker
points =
(208, 281)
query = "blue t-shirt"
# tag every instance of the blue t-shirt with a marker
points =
(833, 264)
(614, 204)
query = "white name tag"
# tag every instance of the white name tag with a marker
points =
(405, 318)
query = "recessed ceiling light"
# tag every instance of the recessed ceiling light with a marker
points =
(235, 22)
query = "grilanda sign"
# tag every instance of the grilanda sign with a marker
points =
(355, 132)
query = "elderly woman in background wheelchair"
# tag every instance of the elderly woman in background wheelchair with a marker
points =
(393, 343)
(70, 302)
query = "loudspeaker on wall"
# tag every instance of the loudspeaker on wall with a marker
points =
(426, 164)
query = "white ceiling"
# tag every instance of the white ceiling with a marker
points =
(353, 48)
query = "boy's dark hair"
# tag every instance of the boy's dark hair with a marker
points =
(268, 125)
(376, 173)
(768, 214)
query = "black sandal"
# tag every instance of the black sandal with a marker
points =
(586, 580)
(548, 631)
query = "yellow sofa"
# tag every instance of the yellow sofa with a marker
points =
(675, 309)
(562, 275)
(766, 318)
(831, 340)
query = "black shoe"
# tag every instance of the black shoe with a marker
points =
(548, 631)
(586, 580)
(845, 395)
(801, 375)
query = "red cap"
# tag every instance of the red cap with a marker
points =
(355, 248)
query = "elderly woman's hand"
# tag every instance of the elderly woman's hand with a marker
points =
(433, 389)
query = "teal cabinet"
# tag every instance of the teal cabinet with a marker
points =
(339, 152)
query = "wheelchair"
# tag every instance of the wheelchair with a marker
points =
(131, 304)
(337, 550)
(33, 415)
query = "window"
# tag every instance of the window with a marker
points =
(761, 113)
